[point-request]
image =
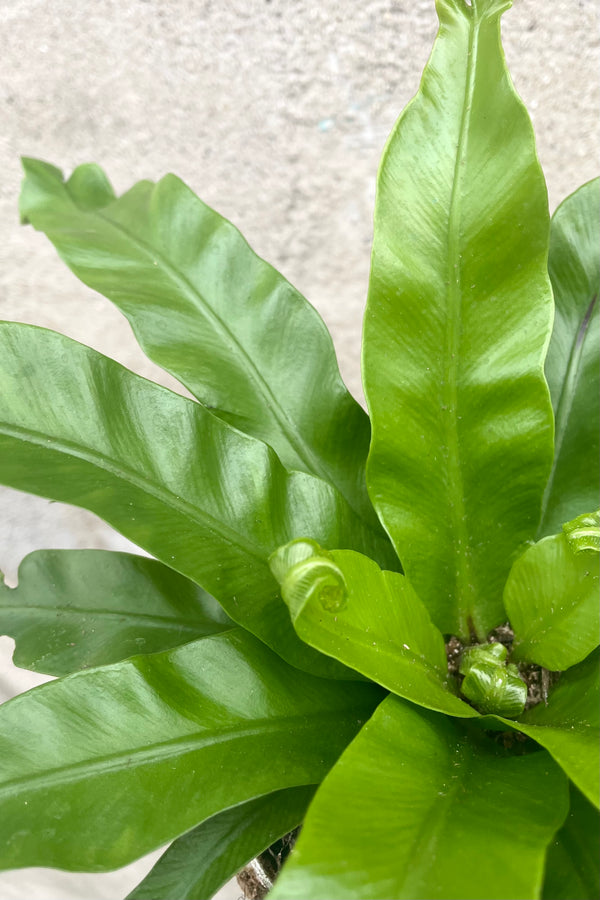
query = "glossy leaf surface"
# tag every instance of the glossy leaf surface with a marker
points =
(209, 311)
(103, 765)
(437, 812)
(200, 496)
(569, 726)
(573, 364)
(74, 609)
(551, 598)
(199, 863)
(457, 322)
(379, 627)
(573, 862)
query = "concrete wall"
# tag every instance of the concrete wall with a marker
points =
(275, 113)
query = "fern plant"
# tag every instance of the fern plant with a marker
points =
(383, 627)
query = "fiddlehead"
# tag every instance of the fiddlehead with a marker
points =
(583, 532)
(306, 571)
(489, 683)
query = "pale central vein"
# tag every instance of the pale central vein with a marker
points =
(197, 516)
(147, 620)
(453, 337)
(128, 758)
(311, 461)
(436, 820)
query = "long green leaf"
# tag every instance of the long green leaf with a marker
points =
(569, 726)
(573, 364)
(74, 609)
(199, 863)
(212, 313)
(437, 811)
(573, 862)
(551, 598)
(103, 765)
(457, 323)
(377, 626)
(203, 498)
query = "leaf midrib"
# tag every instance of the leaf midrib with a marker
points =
(432, 823)
(566, 727)
(111, 763)
(122, 473)
(158, 621)
(453, 337)
(397, 661)
(271, 404)
(403, 663)
(389, 648)
(565, 404)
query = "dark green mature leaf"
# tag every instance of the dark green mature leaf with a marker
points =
(199, 863)
(437, 811)
(74, 609)
(573, 862)
(569, 726)
(551, 597)
(573, 364)
(210, 312)
(161, 730)
(203, 498)
(377, 626)
(457, 322)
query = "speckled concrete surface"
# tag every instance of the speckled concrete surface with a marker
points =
(275, 113)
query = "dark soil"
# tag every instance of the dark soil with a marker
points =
(538, 681)
(454, 649)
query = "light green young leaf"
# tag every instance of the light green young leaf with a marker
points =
(458, 319)
(203, 498)
(74, 609)
(420, 807)
(196, 865)
(344, 605)
(573, 364)
(573, 862)
(160, 730)
(212, 313)
(551, 598)
(569, 726)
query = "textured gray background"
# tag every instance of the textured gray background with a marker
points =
(275, 113)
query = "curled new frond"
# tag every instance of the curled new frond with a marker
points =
(583, 532)
(490, 684)
(305, 571)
